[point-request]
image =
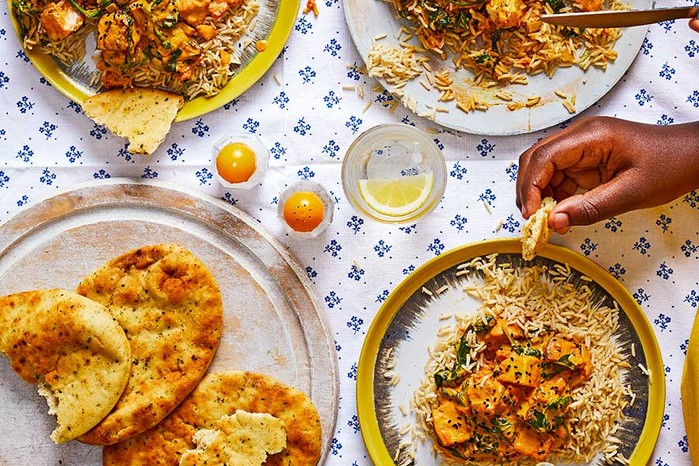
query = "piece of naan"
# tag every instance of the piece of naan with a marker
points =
(239, 439)
(536, 231)
(222, 394)
(72, 348)
(170, 306)
(142, 116)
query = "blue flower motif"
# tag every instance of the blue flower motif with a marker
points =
(692, 48)
(692, 199)
(642, 245)
(693, 99)
(335, 447)
(354, 124)
(617, 270)
(409, 269)
(204, 175)
(647, 46)
(307, 74)
(123, 152)
(149, 173)
(485, 147)
(684, 445)
(511, 171)
(409, 229)
(302, 128)
(381, 249)
(303, 25)
(355, 273)
(4, 179)
(47, 129)
(306, 173)
(228, 197)
(664, 222)
(47, 177)
(382, 297)
(488, 197)
(24, 104)
(458, 171)
(73, 154)
(333, 248)
(355, 324)
(588, 246)
(353, 423)
(281, 100)
(175, 151)
(436, 247)
(352, 374)
(311, 273)
(385, 98)
(24, 200)
(4, 79)
(331, 148)
(101, 175)
(667, 25)
(692, 298)
(510, 224)
(667, 71)
(333, 48)
(231, 104)
(332, 300)
(641, 296)
(331, 99)
(353, 72)
(355, 224)
(662, 321)
(665, 120)
(277, 150)
(200, 129)
(25, 154)
(459, 222)
(613, 225)
(643, 97)
(251, 125)
(22, 56)
(684, 346)
(689, 248)
(75, 106)
(439, 143)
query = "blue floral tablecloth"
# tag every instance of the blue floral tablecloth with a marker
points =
(308, 109)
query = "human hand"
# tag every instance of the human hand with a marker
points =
(620, 165)
(694, 24)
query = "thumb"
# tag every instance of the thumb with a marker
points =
(619, 195)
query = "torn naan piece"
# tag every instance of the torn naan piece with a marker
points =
(536, 231)
(142, 116)
(72, 348)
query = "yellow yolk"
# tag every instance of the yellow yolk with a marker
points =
(236, 162)
(303, 211)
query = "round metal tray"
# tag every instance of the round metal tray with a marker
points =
(272, 323)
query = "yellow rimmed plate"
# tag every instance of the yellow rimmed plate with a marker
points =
(276, 20)
(397, 341)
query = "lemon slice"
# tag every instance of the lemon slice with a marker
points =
(396, 197)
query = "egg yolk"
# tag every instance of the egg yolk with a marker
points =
(236, 162)
(304, 211)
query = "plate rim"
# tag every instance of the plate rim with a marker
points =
(240, 82)
(62, 203)
(366, 412)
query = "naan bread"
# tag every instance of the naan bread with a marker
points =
(170, 306)
(72, 348)
(536, 232)
(141, 115)
(221, 394)
(239, 439)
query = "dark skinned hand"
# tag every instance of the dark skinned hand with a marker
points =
(600, 167)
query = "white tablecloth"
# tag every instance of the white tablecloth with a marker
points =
(308, 118)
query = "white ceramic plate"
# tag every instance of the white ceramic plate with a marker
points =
(370, 19)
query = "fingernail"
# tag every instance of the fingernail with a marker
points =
(560, 221)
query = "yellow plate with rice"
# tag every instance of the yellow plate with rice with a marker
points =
(76, 86)
(391, 372)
